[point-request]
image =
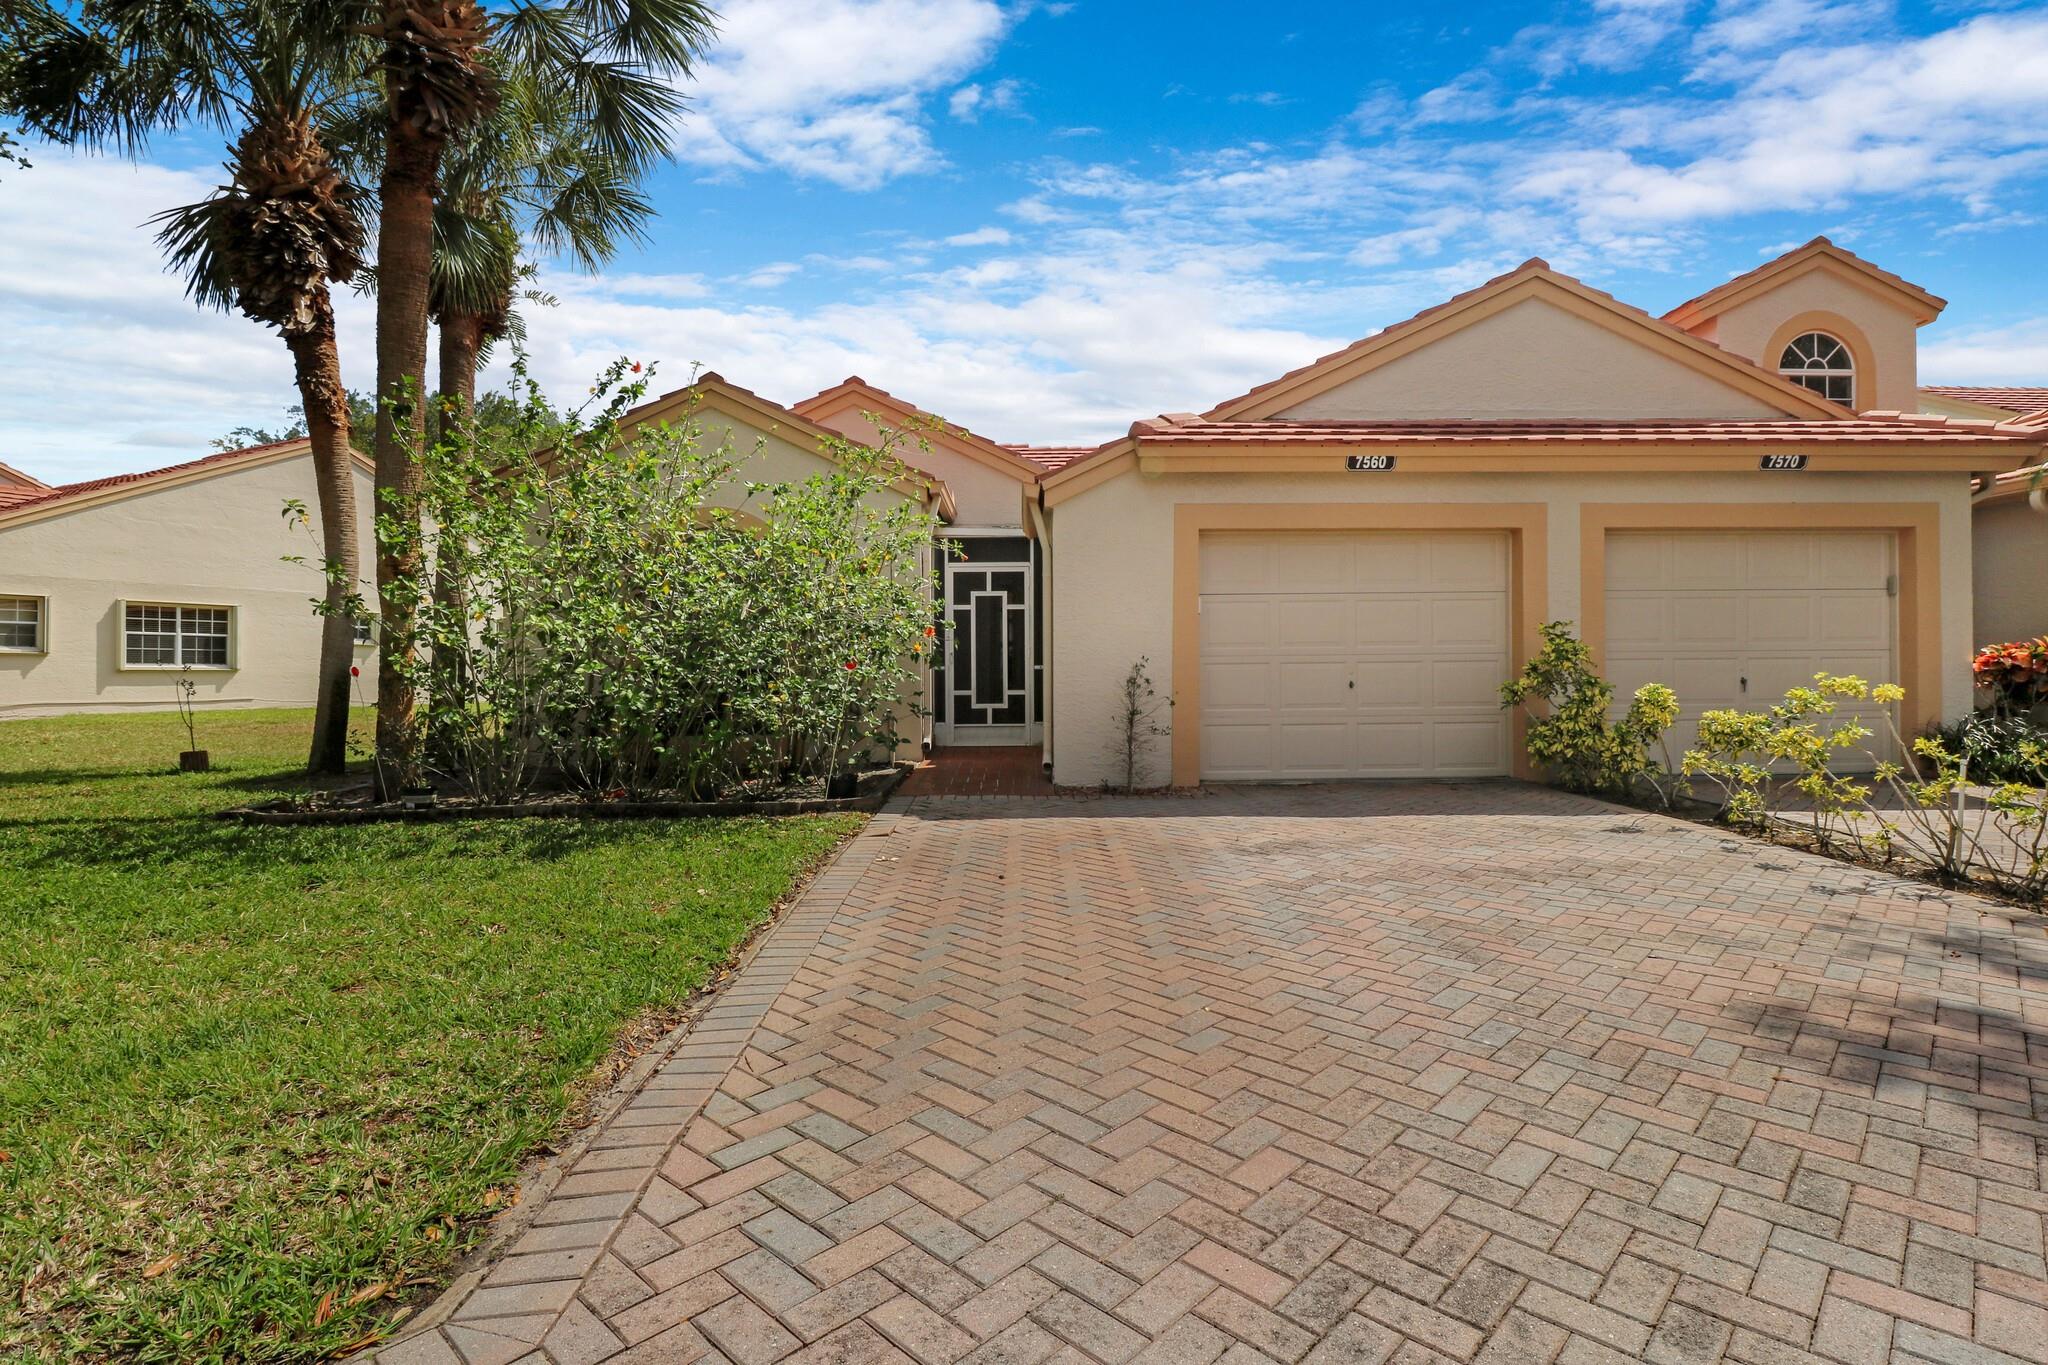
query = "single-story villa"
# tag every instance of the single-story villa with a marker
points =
(111, 588)
(1330, 574)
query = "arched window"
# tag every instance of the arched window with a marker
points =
(1823, 364)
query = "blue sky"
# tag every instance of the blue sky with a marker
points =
(1046, 220)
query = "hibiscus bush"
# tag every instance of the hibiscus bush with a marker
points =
(622, 612)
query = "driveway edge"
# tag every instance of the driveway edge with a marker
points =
(513, 1307)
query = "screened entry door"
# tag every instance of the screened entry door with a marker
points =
(988, 679)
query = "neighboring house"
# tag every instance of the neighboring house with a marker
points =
(108, 588)
(2010, 547)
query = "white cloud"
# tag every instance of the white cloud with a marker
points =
(769, 276)
(1956, 113)
(982, 236)
(832, 88)
(970, 102)
(109, 367)
(2014, 354)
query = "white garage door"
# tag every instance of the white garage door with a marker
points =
(1732, 619)
(1366, 654)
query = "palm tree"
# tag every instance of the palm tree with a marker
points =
(269, 242)
(617, 66)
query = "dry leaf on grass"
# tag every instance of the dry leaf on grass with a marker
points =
(323, 1310)
(161, 1265)
(368, 1292)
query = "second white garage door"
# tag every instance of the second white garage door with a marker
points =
(1344, 655)
(1732, 618)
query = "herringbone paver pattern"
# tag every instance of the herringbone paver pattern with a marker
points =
(1329, 1075)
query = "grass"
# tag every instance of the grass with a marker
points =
(262, 1083)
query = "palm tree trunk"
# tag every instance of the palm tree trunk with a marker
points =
(462, 340)
(405, 256)
(317, 364)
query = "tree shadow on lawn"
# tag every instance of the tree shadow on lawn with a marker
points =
(84, 842)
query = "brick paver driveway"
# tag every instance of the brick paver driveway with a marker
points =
(1327, 1074)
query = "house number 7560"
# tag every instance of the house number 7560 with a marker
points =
(1368, 464)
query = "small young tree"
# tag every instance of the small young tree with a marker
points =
(1139, 707)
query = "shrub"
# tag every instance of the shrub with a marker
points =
(1739, 752)
(588, 616)
(1994, 742)
(1571, 736)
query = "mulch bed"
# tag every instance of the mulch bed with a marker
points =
(356, 808)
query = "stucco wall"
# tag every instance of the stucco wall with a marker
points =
(1113, 568)
(1882, 333)
(1532, 360)
(218, 541)
(984, 497)
(2011, 558)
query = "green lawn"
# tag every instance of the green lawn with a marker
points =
(258, 1084)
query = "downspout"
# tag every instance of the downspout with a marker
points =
(1034, 500)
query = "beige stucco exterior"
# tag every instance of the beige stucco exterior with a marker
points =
(1533, 359)
(1879, 333)
(2010, 563)
(1114, 579)
(217, 539)
(985, 498)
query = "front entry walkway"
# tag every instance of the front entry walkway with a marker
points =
(1360, 1074)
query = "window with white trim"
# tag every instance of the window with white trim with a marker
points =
(361, 627)
(1821, 363)
(21, 625)
(160, 635)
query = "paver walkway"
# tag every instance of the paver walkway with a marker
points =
(1328, 1074)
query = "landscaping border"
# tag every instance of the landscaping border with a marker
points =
(867, 803)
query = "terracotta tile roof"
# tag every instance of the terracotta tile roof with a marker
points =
(1050, 458)
(1705, 305)
(1002, 452)
(2020, 398)
(41, 497)
(19, 478)
(1180, 429)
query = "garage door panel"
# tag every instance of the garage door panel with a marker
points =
(1391, 562)
(1855, 621)
(1392, 749)
(1705, 618)
(1312, 564)
(1313, 622)
(1465, 682)
(1778, 561)
(1313, 684)
(1357, 682)
(1384, 621)
(1316, 750)
(1239, 751)
(1636, 621)
(1465, 563)
(1778, 621)
(1237, 564)
(1385, 684)
(1237, 624)
(1230, 686)
(1469, 748)
(1478, 622)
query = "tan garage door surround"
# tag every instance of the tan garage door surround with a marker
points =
(1355, 596)
(1909, 532)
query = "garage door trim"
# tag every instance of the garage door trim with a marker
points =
(1915, 526)
(1525, 524)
